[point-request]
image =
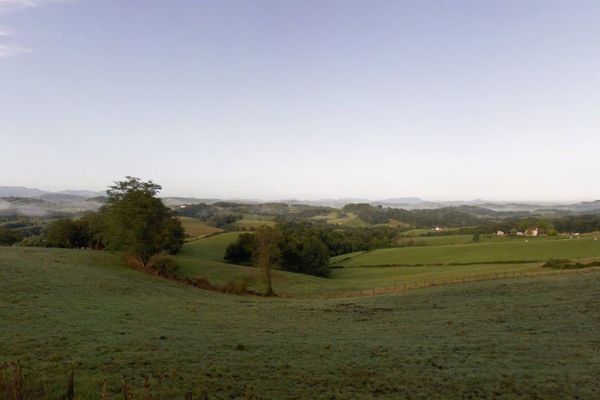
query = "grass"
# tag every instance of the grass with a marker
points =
(197, 228)
(210, 248)
(351, 220)
(434, 240)
(204, 258)
(497, 251)
(251, 224)
(71, 310)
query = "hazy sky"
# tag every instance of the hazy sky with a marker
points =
(307, 99)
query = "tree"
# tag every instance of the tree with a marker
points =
(93, 224)
(173, 235)
(240, 251)
(305, 254)
(66, 233)
(267, 254)
(7, 236)
(138, 223)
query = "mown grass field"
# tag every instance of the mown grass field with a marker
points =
(436, 240)
(506, 250)
(398, 268)
(351, 220)
(252, 223)
(72, 310)
(196, 228)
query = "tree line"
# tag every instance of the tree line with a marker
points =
(427, 218)
(306, 247)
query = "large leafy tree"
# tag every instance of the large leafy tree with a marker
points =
(138, 223)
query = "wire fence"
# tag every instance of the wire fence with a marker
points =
(427, 283)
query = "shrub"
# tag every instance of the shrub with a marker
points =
(33, 241)
(240, 252)
(162, 264)
(556, 263)
(66, 233)
(237, 286)
(8, 236)
(567, 264)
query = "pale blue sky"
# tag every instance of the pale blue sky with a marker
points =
(306, 99)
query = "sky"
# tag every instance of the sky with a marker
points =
(444, 100)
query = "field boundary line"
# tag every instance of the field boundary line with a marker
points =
(427, 283)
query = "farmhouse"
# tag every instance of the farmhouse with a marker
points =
(531, 232)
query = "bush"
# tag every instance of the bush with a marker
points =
(556, 263)
(8, 236)
(568, 264)
(237, 286)
(33, 241)
(66, 233)
(162, 264)
(240, 252)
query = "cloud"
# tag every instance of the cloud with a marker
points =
(15, 5)
(9, 50)
(7, 47)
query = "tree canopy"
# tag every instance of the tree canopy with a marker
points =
(136, 220)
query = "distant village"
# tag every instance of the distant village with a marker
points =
(534, 232)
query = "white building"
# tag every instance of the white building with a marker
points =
(531, 232)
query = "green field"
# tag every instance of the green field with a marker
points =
(252, 223)
(436, 240)
(486, 252)
(74, 310)
(196, 228)
(210, 248)
(204, 258)
(351, 220)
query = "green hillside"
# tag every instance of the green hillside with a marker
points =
(210, 248)
(196, 228)
(485, 260)
(72, 310)
(485, 252)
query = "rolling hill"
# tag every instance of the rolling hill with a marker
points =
(66, 311)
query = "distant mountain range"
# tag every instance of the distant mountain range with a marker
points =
(63, 195)
(476, 206)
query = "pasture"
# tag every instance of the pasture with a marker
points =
(252, 223)
(351, 220)
(197, 228)
(392, 269)
(73, 310)
(504, 250)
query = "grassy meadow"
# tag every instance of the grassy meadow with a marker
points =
(394, 269)
(351, 220)
(74, 310)
(502, 250)
(488, 321)
(196, 228)
(252, 223)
